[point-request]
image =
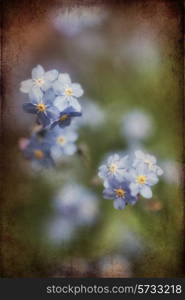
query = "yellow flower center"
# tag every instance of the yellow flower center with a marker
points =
(141, 179)
(61, 140)
(64, 117)
(39, 154)
(39, 81)
(113, 168)
(41, 107)
(68, 92)
(120, 192)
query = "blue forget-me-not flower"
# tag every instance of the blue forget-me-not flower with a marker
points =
(127, 177)
(41, 81)
(65, 117)
(120, 193)
(114, 168)
(142, 178)
(52, 98)
(62, 141)
(76, 202)
(67, 92)
(149, 160)
(38, 151)
(44, 110)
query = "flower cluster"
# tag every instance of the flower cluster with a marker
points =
(125, 178)
(53, 100)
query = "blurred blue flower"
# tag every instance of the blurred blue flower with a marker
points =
(41, 81)
(149, 160)
(38, 151)
(120, 193)
(65, 117)
(93, 115)
(60, 229)
(142, 179)
(74, 206)
(115, 168)
(44, 110)
(137, 125)
(68, 92)
(62, 141)
(76, 202)
(74, 21)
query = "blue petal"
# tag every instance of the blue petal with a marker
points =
(134, 188)
(146, 192)
(46, 85)
(76, 114)
(77, 89)
(51, 75)
(72, 111)
(152, 179)
(43, 119)
(54, 124)
(52, 113)
(35, 93)
(29, 108)
(74, 103)
(65, 123)
(64, 78)
(119, 204)
(69, 149)
(37, 72)
(108, 193)
(49, 96)
(102, 171)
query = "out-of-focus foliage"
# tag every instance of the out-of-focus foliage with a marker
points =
(123, 66)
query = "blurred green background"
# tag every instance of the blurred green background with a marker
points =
(126, 58)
